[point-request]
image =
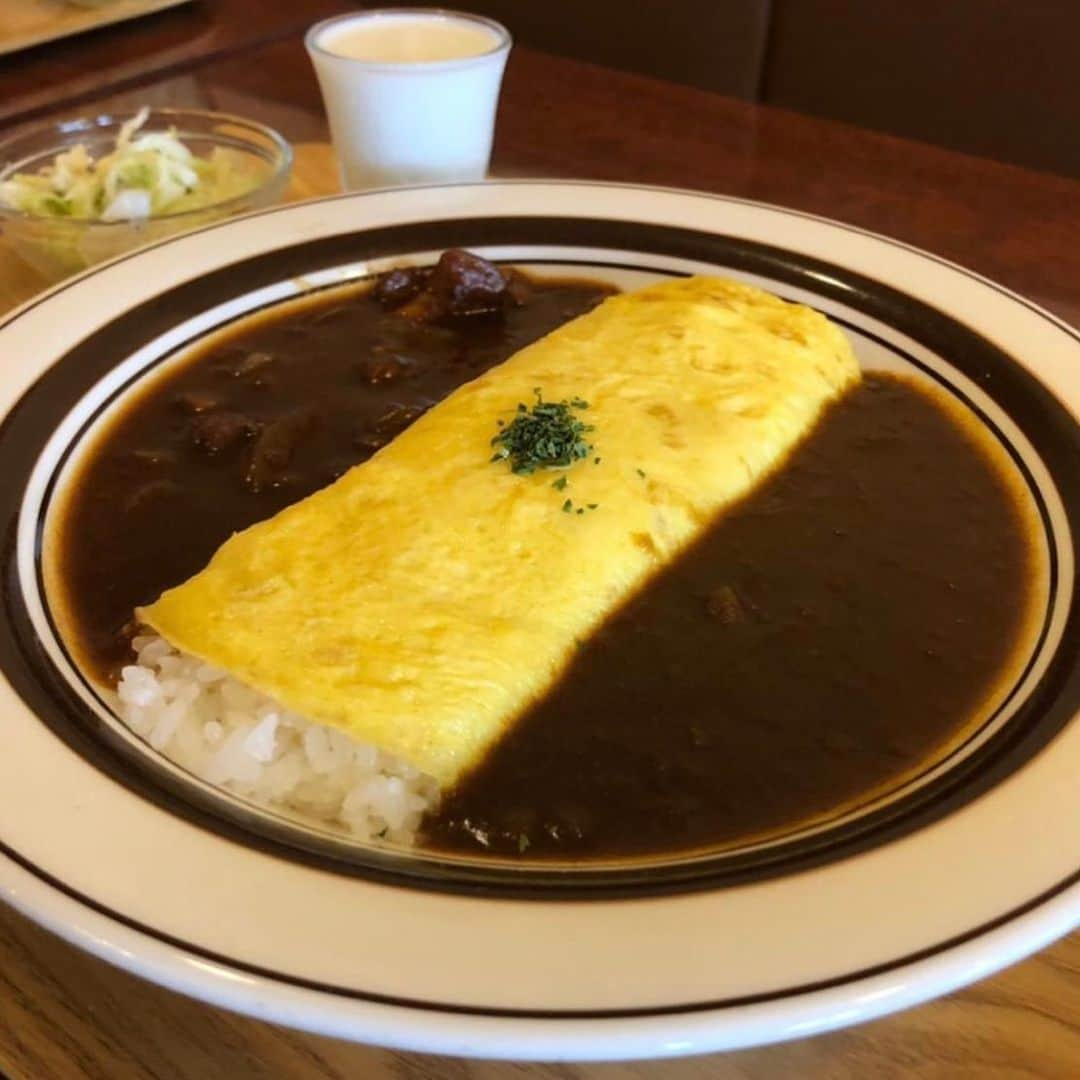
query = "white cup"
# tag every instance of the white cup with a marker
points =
(410, 93)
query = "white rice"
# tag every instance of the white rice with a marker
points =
(233, 736)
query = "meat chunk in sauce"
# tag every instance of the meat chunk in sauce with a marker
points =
(397, 287)
(274, 449)
(465, 284)
(460, 285)
(216, 432)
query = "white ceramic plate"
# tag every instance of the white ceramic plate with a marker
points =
(963, 870)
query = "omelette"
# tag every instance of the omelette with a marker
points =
(427, 597)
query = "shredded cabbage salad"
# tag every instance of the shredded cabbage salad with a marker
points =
(145, 175)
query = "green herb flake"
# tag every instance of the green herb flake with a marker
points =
(523, 843)
(596, 461)
(567, 506)
(593, 506)
(546, 436)
(581, 510)
(641, 473)
(560, 484)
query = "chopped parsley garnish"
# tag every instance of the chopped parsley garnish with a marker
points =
(546, 436)
(567, 506)
(641, 473)
(560, 483)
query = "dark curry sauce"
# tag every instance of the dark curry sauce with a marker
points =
(827, 637)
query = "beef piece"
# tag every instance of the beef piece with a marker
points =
(274, 448)
(465, 284)
(217, 432)
(397, 287)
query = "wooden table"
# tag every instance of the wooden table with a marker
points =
(64, 1015)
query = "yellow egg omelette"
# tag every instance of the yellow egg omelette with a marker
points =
(427, 597)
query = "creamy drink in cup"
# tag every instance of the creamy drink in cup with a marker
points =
(410, 93)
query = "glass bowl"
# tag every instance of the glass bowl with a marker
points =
(59, 246)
